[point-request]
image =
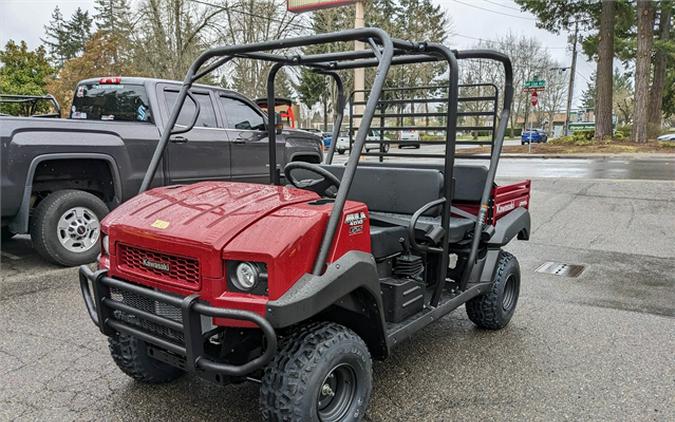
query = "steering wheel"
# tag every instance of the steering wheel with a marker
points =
(320, 186)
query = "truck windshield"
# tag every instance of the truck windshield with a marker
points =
(121, 102)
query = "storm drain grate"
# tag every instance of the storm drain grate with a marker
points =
(560, 269)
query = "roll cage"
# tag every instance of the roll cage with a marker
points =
(29, 104)
(382, 52)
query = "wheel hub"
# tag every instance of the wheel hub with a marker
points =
(337, 393)
(78, 229)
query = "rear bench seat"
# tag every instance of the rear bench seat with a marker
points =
(393, 194)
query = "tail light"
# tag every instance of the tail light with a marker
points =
(110, 80)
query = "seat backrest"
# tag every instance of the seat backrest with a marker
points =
(469, 179)
(393, 189)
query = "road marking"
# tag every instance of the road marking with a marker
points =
(10, 256)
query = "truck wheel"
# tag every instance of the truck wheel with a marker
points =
(341, 151)
(130, 355)
(493, 310)
(321, 373)
(65, 227)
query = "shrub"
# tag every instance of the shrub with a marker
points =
(583, 135)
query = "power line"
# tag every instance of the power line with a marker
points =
(495, 11)
(502, 5)
(497, 41)
(269, 18)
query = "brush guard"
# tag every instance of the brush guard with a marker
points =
(101, 308)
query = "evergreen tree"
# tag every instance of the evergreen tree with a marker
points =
(588, 94)
(113, 17)
(56, 38)
(79, 32)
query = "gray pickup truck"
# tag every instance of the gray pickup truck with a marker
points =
(61, 176)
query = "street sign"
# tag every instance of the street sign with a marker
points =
(534, 99)
(535, 83)
(540, 89)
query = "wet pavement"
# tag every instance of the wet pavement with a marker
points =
(596, 347)
(655, 167)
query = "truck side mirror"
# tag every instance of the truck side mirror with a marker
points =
(278, 123)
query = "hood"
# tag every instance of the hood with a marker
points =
(205, 215)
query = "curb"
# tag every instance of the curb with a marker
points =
(591, 156)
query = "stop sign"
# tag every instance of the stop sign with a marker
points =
(534, 99)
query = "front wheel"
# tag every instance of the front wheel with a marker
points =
(131, 356)
(65, 227)
(322, 373)
(493, 309)
(341, 151)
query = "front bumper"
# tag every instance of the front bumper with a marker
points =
(102, 310)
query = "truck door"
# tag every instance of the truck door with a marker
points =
(203, 153)
(248, 136)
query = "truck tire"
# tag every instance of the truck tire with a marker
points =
(323, 372)
(341, 151)
(130, 355)
(65, 227)
(493, 309)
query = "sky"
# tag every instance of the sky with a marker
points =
(471, 20)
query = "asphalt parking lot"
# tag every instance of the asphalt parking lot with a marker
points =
(596, 347)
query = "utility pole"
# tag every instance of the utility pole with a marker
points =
(573, 71)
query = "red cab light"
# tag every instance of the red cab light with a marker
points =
(110, 80)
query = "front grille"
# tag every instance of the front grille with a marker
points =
(159, 266)
(155, 307)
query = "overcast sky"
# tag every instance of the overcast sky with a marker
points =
(472, 19)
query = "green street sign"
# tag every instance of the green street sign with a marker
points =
(535, 84)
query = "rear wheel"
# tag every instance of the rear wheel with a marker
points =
(65, 227)
(131, 356)
(493, 310)
(322, 373)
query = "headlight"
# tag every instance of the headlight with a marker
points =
(105, 244)
(246, 276)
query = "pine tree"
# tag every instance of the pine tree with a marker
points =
(79, 32)
(113, 20)
(113, 17)
(56, 38)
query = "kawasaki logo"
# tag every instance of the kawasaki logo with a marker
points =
(505, 207)
(161, 266)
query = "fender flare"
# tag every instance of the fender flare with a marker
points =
(343, 283)
(515, 223)
(19, 223)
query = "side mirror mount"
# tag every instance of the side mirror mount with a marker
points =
(278, 123)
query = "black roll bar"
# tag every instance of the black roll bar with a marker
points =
(496, 149)
(384, 52)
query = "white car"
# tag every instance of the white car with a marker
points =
(666, 137)
(409, 138)
(372, 142)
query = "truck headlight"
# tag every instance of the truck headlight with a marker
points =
(105, 244)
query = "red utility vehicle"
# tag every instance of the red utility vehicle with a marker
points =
(300, 287)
